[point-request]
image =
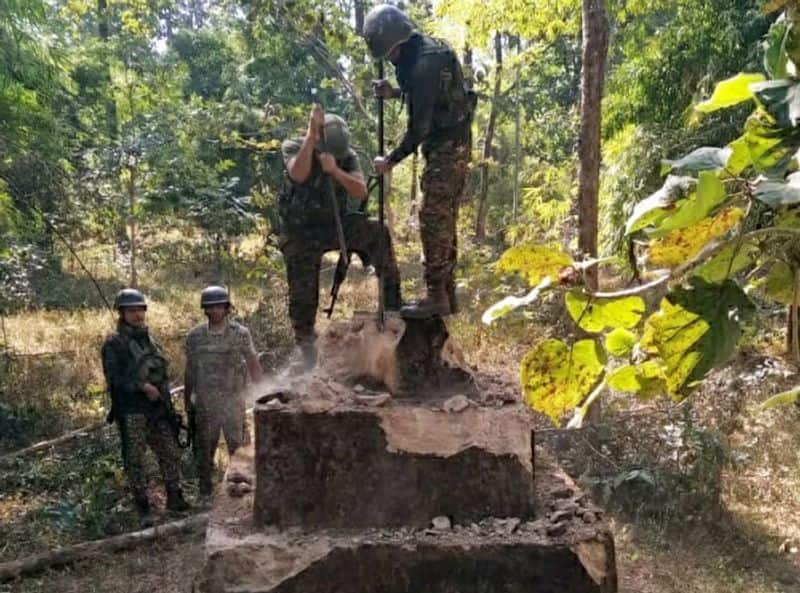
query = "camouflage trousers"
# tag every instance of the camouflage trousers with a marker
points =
(303, 251)
(442, 183)
(215, 414)
(136, 434)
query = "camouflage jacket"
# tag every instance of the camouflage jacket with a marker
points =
(440, 106)
(217, 362)
(122, 355)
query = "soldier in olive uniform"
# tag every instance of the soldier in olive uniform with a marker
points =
(219, 357)
(440, 110)
(322, 170)
(136, 374)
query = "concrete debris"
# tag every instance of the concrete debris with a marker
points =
(239, 489)
(238, 477)
(457, 403)
(441, 523)
(374, 401)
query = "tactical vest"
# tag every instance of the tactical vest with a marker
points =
(308, 204)
(217, 366)
(149, 366)
(461, 101)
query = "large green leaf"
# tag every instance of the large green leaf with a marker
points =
(646, 380)
(556, 378)
(781, 99)
(709, 194)
(775, 58)
(727, 262)
(779, 193)
(594, 315)
(703, 159)
(730, 92)
(681, 245)
(771, 146)
(696, 329)
(740, 158)
(620, 342)
(535, 262)
(652, 209)
(779, 283)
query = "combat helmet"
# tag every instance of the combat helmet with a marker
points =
(337, 136)
(386, 27)
(129, 297)
(214, 295)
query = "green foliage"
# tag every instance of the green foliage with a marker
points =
(646, 380)
(731, 92)
(556, 377)
(620, 342)
(596, 315)
(534, 262)
(696, 329)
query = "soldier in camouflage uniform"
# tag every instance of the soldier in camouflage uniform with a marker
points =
(136, 374)
(219, 356)
(322, 170)
(440, 110)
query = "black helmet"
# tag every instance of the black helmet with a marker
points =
(386, 27)
(129, 297)
(214, 295)
(337, 136)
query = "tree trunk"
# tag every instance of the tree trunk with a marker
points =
(134, 279)
(85, 550)
(469, 69)
(792, 325)
(103, 33)
(517, 134)
(483, 198)
(359, 16)
(595, 47)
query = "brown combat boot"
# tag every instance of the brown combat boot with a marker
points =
(435, 304)
(304, 358)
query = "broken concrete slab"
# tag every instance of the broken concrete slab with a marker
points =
(351, 465)
(410, 358)
(480, 557)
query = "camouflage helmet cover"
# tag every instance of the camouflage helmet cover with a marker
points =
(386, 27)
(337, 136)
(214, 295)
(129, 297)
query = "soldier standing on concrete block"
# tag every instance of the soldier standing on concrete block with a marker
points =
(219, 357)
(322, 171)
(440, 111)
(136, 375)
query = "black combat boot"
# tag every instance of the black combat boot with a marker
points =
(391, 297)
(175, 501)
(143, 508)
(205, 487)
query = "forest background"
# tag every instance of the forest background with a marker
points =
(139, 145)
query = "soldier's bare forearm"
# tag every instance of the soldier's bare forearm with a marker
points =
(254, 368)
(299, 166)
(353, 183)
